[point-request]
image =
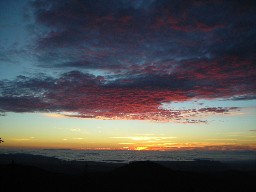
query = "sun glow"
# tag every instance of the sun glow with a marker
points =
(141, 148)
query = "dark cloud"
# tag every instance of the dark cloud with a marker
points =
(22, 104)
(218, 109)
(88, 96)
(126, 34)
(244, 97)
(135, 55)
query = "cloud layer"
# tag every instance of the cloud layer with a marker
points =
(88, 96)
(123, 59)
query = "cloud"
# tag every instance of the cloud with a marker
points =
(124, 59)
(2, 114)
(78, 138)
(119, 35)
(158, 44)
(23, 139)
(243, 97)
(145, 138)
(75, 94)
(75, 129)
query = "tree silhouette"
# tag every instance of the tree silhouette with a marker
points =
(1, 141)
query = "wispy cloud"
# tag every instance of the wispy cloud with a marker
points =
(78, 138)
(126, 143)
(54, 115)
(145, 138)
(221, 139)
(23, 139)
(75, 129)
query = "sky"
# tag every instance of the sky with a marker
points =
(128, 74)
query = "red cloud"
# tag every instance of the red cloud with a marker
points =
(149, 54)
(88, 96)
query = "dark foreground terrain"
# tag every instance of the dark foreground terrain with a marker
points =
(37, 173)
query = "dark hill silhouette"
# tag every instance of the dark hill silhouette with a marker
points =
(27, 178)
(145, 176)
(142, 168)
(136, 176)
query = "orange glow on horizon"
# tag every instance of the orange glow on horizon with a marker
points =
(141, 148)
(134, 148)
